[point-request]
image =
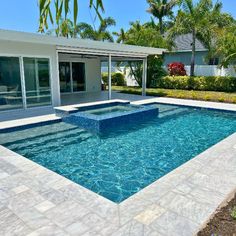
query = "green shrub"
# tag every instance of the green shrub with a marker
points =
(202, 83)
(233, 213)
(105, 78)
(117, 79)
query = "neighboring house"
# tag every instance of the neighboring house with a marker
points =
(182, 52)
(205, 66)
(35, 70)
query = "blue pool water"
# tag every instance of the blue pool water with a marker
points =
(112, 109)
(118, 164)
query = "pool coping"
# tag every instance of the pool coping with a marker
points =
(179, 203)
(74, 108)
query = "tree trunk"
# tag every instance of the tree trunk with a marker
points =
(193, 53)
(139, 81)
(161, 26)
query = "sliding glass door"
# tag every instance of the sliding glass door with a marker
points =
(72, 77)
(78, 76)
(24, 82)
(65, 74)
(10, 83)
(37, 82)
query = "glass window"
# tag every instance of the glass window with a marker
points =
(78, 76)
(10, 83)
(37, 82)
(65, 82)
(214, 61)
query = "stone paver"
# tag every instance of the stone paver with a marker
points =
(20, 189)
(77, 228)
(149, 215)
(44, 206)
(171, 223)
(37, 201)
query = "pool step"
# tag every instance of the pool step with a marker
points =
(172, 112)
(63, 138)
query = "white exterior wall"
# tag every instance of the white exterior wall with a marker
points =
(212, 71)
(92, 70)
(40, 51)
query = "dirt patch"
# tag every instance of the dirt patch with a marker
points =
(222, 224)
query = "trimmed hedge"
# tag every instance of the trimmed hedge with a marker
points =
(202, 83)
(117, 79)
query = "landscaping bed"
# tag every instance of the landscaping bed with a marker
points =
(223, 223)
(184, 94)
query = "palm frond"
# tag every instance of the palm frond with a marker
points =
(105, 23)
(106, 36)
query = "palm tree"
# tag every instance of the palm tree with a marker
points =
(65, 29)
(86, 31)
(135, 32)
(144, 35)
(135, 26)
(121, 36)
(198, 19)
(62, 9)
(226, 46)
(151, 24)
(161, 9)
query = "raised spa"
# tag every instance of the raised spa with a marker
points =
(104, 117)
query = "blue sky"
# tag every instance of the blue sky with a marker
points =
(22, 15)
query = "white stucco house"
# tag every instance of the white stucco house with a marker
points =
(36, 70)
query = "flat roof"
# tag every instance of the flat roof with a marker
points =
(80, 45)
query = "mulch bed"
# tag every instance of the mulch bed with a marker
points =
(222, 224)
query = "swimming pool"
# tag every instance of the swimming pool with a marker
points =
(120, 163)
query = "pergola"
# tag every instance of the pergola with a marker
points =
(112, 52)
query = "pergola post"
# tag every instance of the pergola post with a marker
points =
(144, 78)
(109, 77)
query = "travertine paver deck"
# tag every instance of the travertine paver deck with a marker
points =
(27, 121)
(37, 201)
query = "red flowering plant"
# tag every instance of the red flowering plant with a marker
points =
(176, 69)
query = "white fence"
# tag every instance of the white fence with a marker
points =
(199, 71)
(212, 71)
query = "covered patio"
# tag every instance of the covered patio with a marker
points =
(92, 57)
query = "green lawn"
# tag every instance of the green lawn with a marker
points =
(185, 94)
